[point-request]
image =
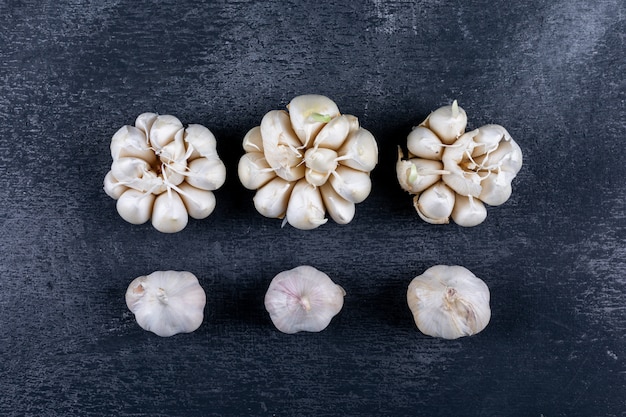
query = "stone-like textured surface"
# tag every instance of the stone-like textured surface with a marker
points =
(554, 256)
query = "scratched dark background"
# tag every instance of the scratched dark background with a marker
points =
(554, 256)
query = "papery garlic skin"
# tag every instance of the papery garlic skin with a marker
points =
(167, 302)
(164, 172)
(477, 166)
(449, 302)
(303, 299)
(312, 144)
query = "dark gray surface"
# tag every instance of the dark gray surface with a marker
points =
(554, 256)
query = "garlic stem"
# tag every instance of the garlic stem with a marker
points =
(162, 296)
(455, 109)
(304, 302)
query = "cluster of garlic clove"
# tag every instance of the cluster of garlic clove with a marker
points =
(454, 173)
(308, 161)
(449, 302)
(167, 302)
(164, 172)
(303, 299)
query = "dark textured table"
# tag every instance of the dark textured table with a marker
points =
(554, 255)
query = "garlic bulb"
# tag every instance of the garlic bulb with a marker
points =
(476, 167)
(164, 172)
(307, 162)
(449, 302)
(303, 299)
(167, 302)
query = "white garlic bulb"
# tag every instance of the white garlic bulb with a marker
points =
(303, 299)
(167, 302)
(164, 172)
(307, 162)
(449, 302)
(476, 166)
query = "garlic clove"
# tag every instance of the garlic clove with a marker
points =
(435, 204)
(135, 206)
(488, 139)
(462, 181)
(174, 151)
(169, 214)
(173, 157)
(271, 199)
(254, 171)
(149, 182)
(447, 122)
(127, 169)
(340, 210)
(506, 157)
(291, 173)
(303, 299)
(309, 113)
(512, 163)
(316, 178)
(206, 174)
(201, 141)
(468, 211)
(112, 187)
(335, 132)
(423, 143)
(449, 302)
(199, 203)
(253, 141)
(129, 141)
(163, 130)
(280, 143)
(145, 121)
(359, 151)
(167, 302)
(417, 174)
(496, 188)
(352, 120)
(321, 159)
(174, 174)
(305, 210)
(351, 184)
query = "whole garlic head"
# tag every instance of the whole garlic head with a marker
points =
(167, 302)
(308, 161)
(303, 299)
(449, 302)
(164, 172)
(477, 167)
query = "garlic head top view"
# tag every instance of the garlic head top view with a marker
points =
(167, 302)
(303, 299)
(308, 161)
(449, 302)
(453, 173)
(164, 172)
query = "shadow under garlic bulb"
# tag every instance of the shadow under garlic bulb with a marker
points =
(308, 161)
(167, 302)
(303, 299)
(449, 302)
(164, 172)
(454, 173)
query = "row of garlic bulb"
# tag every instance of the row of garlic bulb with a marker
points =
(446, 301)
(308, 162)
